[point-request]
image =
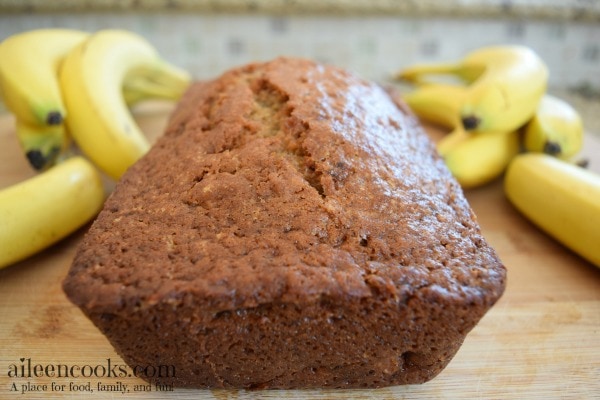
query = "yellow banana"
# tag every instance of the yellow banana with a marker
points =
(560, 198)
(46, 208)
(479, 158)
(555, 129)
(437, 103)
(505, 85)
(506, 95)
(29, 64)
(92, 78)
(42, 145)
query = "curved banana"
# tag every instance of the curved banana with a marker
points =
(437, 103)
(560, 198)
(481, 157)
(29, 64)
(46, 208)
(505, 85)
(92, 78)
(506, 95)
(556, 129)
(42, 145)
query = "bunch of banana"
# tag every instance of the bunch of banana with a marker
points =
(92, 79)
(571, 214)
(504, 84)
(481, 144)
(61, 85)
(47, 207)
(473, 158)
(29, 65)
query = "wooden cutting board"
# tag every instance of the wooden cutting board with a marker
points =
(541, 340)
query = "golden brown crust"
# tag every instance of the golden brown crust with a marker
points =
(294, 227)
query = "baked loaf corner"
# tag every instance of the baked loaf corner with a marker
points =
(293, 228)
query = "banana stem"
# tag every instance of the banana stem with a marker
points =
(418, 74)
(146, 89)
(168, 76)
(414, 74)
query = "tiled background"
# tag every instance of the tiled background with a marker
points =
(374, 46)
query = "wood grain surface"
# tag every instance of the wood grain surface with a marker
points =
(541, 340)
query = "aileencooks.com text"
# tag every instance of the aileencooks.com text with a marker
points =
(27, 368)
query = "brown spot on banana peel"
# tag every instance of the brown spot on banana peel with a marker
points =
(583, 163)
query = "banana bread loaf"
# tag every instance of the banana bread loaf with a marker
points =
(293, 228)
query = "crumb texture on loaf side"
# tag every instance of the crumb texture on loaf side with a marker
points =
(294, 227)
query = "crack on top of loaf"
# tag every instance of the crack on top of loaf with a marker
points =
(273, 110)
(270, 107)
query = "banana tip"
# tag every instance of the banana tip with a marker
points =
(552, 148)
(36, 159)
(471, 122)
(54, 118)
